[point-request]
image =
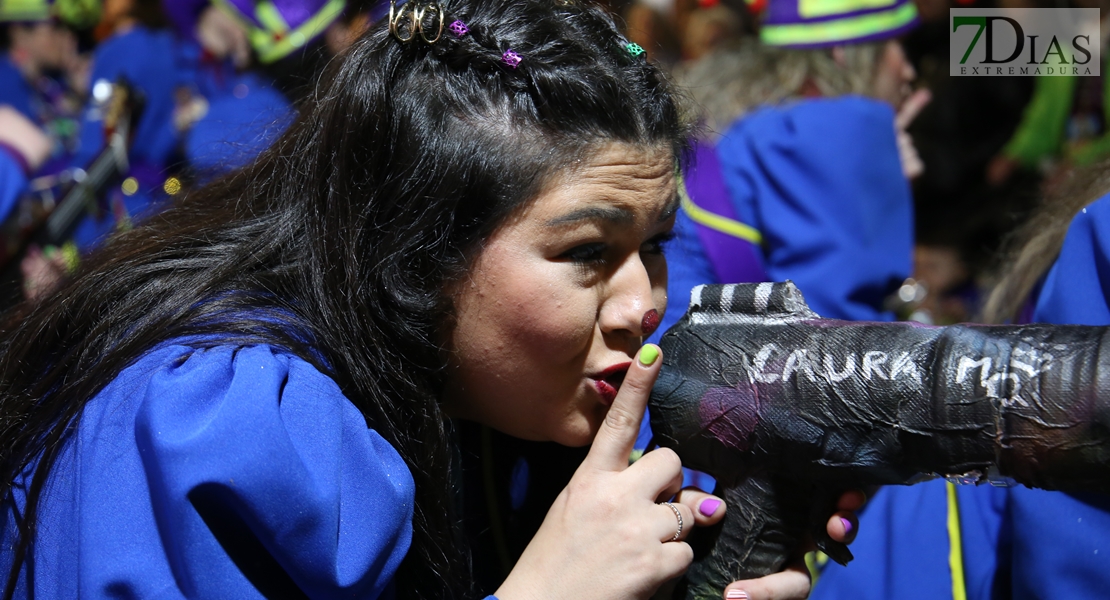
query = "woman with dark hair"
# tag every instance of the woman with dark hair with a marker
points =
(249, 395)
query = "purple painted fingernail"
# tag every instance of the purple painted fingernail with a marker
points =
(737, 595)
(709, 506)
(847, 525)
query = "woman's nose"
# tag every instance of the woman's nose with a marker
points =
(630, 305)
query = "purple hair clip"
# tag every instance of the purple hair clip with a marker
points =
(510, 58)
(459, 28)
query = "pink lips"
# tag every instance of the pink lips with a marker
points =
(608, 382)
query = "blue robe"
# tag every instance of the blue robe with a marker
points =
(12, 182)
(821, 181)
(150, 61)
(229, 472)
(15, 91)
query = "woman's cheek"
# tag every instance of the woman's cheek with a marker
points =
(556, 323)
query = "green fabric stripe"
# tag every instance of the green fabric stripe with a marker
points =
(838, 30)
(955, 544)
(271, 19)
(716, 222)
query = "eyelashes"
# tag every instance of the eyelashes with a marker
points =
(595, 252)
(586, 253)
(658, 244)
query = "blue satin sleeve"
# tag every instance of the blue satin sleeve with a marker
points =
(229, 472)
(1061, 541)
(822, 182)
(1076, 290)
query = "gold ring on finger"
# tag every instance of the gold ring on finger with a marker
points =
(677, 515)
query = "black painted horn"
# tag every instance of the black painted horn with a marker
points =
(786, 410)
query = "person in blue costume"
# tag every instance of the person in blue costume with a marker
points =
(801, 126)
(237, 109)
(145, 56)
(939, 540)
(39, 69)
(254, 394)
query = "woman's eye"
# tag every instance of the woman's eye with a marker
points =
(657, 244)
(586, 253)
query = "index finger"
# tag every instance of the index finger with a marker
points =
(617, 434)
(912, 107)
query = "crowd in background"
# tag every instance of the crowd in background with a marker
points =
(217, 81)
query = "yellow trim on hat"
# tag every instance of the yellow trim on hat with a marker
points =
(24, 10)
(839, 30)
(811, 9)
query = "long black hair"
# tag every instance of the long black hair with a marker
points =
(337, 243)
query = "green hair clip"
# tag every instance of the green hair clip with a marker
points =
(634, 49)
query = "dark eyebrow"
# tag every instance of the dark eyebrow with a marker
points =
(620, 216)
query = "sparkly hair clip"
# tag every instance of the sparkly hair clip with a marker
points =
(634, 49)
(458, 28)
(511, 59)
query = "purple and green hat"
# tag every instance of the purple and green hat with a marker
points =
(276, 28)
(824, 23)
(24, 11)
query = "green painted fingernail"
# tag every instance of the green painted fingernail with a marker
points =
(648, 354)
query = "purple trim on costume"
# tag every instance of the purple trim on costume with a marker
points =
(458, 28)
(734, 260)
(18, 157)
(511, 59)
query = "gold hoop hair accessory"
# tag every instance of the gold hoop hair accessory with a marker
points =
(419, 18)
(678, 515)
(395, 17)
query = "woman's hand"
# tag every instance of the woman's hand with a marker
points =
(24, 137)
(912, 165)
(605, 536)
(793, 583)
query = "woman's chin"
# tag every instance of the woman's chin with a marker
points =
(578, 435)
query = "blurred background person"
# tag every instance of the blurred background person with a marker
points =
(211, 93)
(805, 149)
(42, 73)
